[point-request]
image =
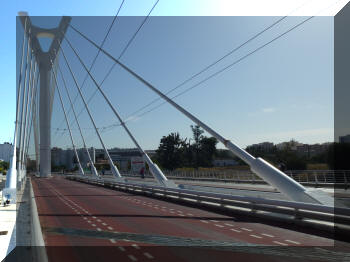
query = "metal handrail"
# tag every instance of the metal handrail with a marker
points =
(257, 203)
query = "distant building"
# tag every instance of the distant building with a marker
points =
(311, 150)
(225, 162)
(344, 139)
(292, 144)
(261, 147)
(121, 156)
(5, 151)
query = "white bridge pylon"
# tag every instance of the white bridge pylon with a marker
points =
(43, 60)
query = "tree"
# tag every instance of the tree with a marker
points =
(197, 137)
(169, 153)
(207, 151)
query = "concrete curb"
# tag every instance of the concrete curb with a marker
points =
(37, 240)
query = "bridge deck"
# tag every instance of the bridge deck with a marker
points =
(135, 227)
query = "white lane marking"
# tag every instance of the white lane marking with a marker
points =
(99, 229)
(156, 207)
(98, 220)
(94, 217)
(89, 221)
(215, 221)
(104, 224)
(238, 231)
(132, 257)
(267, 235)
(255, 236)
(172, 212)
(227, 224)
(279, 243)
(84, 218)
(218, 225)
(121, 249)
(78, 213)
(293, 242)
(93, 225)
(135, 246)
(189, 214)
(179, 211)
(110, 228)
(204, 221)
(181, 215)
(148, 255)
(112, 240)
(246, 229)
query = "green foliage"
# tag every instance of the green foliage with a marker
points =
(4, 165)
(169, 152)
(174, 152)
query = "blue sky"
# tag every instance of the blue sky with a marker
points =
(282, 92)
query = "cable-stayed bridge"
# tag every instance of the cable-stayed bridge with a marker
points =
(87, 208)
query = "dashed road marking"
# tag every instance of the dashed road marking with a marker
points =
(218, 225)
(246, 229)
(148, 255)
(227, 224)
(93, 225)
(267, 235)
(89, 221)
(121, 249)
(104, 224)
(293, 242)
(112, 240)
(99, 229)
(215, 221)
(238, 231)
(255, 236)
(132, 257)
(135, 246)
(204, 221)
(110, 228)
(280, 243)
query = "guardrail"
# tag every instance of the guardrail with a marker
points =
(316, 178)
(301, 213)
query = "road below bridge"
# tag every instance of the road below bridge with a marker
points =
(82, 222)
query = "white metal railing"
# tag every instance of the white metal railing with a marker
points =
(312, 177)
(317, 177)
(304, 212)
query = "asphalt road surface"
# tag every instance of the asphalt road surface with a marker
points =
(82, 222)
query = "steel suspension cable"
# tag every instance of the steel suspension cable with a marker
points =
(154, 169)
(11, 180)
(98, 53)
(120, 55)
(212, 75)
(93, 169)
(114, 169)
(29, 108)
(29, 58)
(65, 116)
(32, 117)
